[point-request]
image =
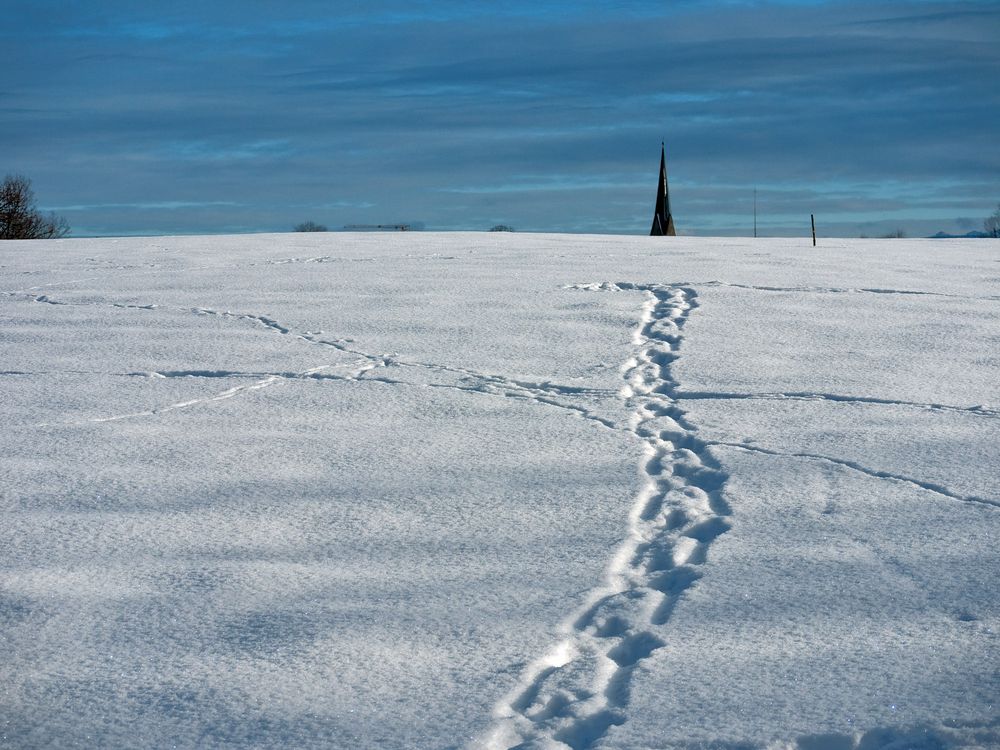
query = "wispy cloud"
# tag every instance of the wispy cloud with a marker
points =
(148, 206)
(209, 151)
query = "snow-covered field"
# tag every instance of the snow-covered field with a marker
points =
(495, 491)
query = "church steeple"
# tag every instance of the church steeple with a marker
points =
(663, 221)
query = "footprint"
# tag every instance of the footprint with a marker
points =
(675, 581)
(634, 648)
(708, 530)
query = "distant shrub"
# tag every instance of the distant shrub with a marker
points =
(310, 226)
(501, 228)
(19, 219)
(896, 235)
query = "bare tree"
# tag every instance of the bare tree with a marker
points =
(310, 226)
(992, 224)
(20, 219)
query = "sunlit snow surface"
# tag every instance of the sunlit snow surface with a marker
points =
(479, 490)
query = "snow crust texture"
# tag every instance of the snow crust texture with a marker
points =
(477, 491)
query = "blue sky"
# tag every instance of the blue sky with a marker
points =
(224, 116)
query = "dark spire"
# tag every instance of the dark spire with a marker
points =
(663, 221)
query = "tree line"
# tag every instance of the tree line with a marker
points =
(20, 219)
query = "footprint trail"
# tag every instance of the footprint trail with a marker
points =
(573, 695)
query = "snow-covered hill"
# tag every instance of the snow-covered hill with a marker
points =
(499, 490)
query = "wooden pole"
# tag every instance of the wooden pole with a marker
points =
(812, 218)
(755, 212)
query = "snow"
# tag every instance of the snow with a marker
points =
(486, 491)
